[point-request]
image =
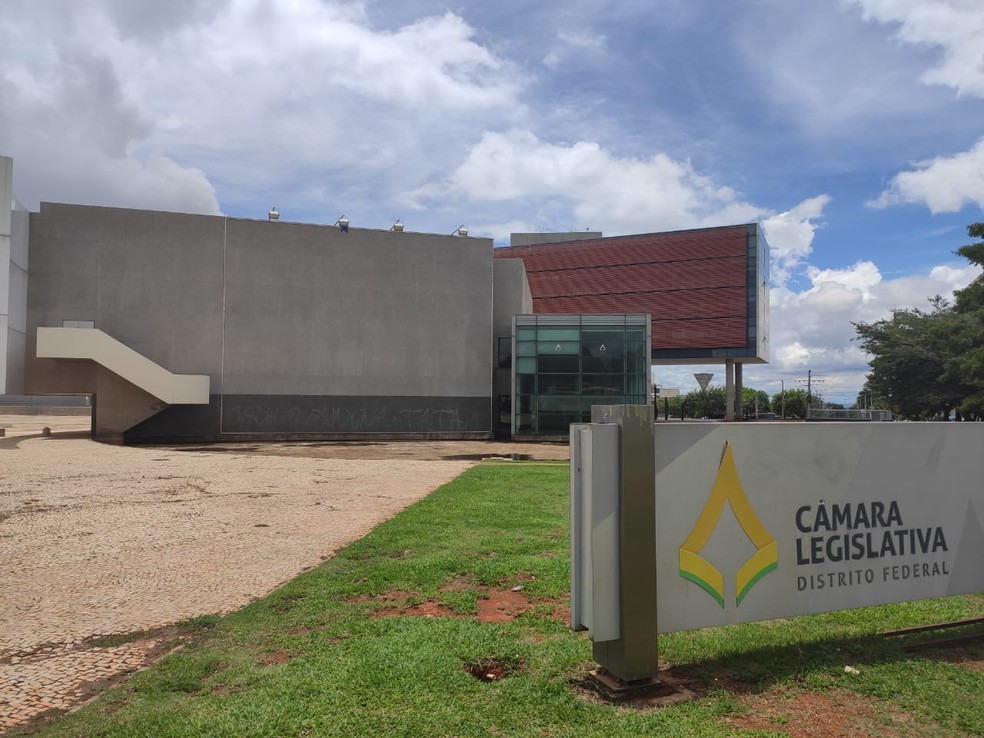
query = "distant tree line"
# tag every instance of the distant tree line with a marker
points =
(710, 403)
(929, 364)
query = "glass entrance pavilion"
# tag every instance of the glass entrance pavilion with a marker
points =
(564, 364)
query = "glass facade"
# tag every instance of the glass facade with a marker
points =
(564, 364)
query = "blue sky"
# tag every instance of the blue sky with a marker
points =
(852, 129)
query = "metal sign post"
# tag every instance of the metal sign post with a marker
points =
(613, 525)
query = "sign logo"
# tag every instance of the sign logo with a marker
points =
(693, 567)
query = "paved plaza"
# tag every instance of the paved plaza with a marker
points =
(97, 540)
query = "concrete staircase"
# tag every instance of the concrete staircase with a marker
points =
(138, 370)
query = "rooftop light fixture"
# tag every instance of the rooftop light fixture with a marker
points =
(460, 231)
(342, 223)
(273, 214)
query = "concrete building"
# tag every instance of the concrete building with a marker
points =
(14, 228)
(197, 328)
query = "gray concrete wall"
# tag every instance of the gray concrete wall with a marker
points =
(17, 300)
(312, 310)
(511, 297)
(13, 283)
(151, 280)
(290, 321)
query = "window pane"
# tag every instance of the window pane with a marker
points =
(559, 364)
(526, 384)
(636, 356)
(603, 384)
(614, 348)
(526, 334)
(504, 406)
(559, 384)
(557, 423)
(559, 347)
(558, 405)
(599, 365)
(587, 401)
(602, 335)
(524, 404)
(525, 348)
(525, 366)
(559, 334)
(636, 384)
(505, 353)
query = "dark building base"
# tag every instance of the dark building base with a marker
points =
(317, 417)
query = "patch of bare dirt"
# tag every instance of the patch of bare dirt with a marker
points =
(502, 606)
(970, 657)
(428, 609)
(802, 714)
(491, 670)
(495, 605)
(276, 658)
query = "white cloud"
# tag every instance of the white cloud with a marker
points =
(860, 279)
(813, 328)
(573, 45)
(605, 192)
(945, 184)
(790, 236)
(956, 27)
(262, 97)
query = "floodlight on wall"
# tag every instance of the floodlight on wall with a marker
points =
(342, 223)
(273, 214)
(397, 226)
(460, 231)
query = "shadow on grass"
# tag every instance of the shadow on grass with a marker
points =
(756, 668)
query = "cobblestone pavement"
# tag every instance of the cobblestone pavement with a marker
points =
(97, 540)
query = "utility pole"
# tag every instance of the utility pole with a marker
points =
(809, 382)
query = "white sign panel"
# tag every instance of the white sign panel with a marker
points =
(761, 521)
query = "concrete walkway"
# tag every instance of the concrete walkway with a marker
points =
(98, 540)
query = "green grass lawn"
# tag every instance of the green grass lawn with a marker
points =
(312, 660)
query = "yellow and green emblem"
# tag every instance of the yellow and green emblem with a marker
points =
(693, 567)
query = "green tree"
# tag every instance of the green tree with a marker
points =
(909, 355)
(675, 405)
(868, 400)
(752, 398)
(967, 333)
(708, 403)
(925, 364)
(971, 297)
(791, 403)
